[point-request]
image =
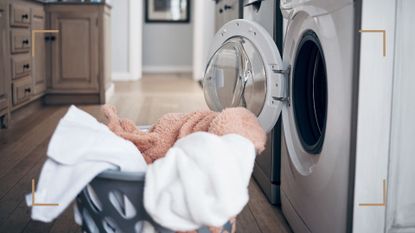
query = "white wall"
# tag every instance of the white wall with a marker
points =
(374, 115)
(120, 34)
(204, 31)
(167, 47)
(401, 190)
(127, 20)
(159, 47)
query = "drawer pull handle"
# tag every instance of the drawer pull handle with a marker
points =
(27, 90)
(50, 38)
(25, 41)
(25, 16)
(26, 66)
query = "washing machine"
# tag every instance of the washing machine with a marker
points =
(267, 169)
(312, 87)
(227, 10)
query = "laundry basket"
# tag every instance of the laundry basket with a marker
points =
(113, 203)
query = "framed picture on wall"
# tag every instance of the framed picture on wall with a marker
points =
(167, 11)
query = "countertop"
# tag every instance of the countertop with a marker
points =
(74, 2)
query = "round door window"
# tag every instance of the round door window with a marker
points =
(310, 93)
(235, 76)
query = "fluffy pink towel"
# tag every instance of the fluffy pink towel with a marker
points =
(172, 126)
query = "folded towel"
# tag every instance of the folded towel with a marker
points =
(80, 149)
(202, 181)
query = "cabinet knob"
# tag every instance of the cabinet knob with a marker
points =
(27, 90)
(26, 41)
(26, 66)
(25, 16)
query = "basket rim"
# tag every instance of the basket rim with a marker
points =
(120, 175)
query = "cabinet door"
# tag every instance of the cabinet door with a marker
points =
(39, 56)
(75, 52)
(3, 72)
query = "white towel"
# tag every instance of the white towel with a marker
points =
(80, 149)
(202, 181)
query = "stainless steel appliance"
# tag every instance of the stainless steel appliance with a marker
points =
(227, 10)
(268, 164)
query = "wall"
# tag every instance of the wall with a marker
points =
(374, 115)
(120, 43)
(401, 190)
(167, 47)
(127, 20)
(204, 31)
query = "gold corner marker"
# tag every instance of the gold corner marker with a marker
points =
(33, 191)
(34, 37)
(385, 191)
(383, 37)
(33, 197)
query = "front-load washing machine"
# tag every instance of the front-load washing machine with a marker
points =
(317, 146)
(267, 169)
(311, 86)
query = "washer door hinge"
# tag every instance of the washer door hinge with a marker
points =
(285, 72)
(285, 97)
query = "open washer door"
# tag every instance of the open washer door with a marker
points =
(245, 69)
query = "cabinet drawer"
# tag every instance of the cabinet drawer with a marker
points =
(38, 13)
(21, 65)
(20, 40)
(22, 90)
(19, 15)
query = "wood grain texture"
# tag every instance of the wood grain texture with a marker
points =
(23, 150)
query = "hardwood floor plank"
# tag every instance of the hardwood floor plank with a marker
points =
(11, 200)
(13, 176)
(18, 128)
(14, 152)
(246, 223)
(268, 217)
(37, 227)
(65, 223)
(18, 220)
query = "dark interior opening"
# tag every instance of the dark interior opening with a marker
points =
(310, 93)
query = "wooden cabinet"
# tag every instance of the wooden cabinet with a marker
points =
(20, 57)
(72, 66)
(75, 51)
(79, 57)
(19, 15)
(39, 56)
(4, 71)
(21, 65)
(22, 90)
(20, 40)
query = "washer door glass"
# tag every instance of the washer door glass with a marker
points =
(235, 76)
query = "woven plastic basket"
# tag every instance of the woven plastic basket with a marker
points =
(113, 203)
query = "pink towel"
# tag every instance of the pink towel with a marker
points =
(172, 126)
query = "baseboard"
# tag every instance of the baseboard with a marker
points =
(124, 77)
(59, 99)
(167, 69)
(109, 92)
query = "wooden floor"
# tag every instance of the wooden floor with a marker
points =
(23, 151)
